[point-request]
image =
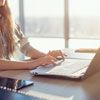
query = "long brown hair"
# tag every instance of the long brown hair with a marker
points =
(7, 28)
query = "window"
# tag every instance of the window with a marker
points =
(14, 4)
(84, 23)
(44, 18)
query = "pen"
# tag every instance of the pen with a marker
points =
(86, 50)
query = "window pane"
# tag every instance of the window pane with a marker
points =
(84, 18)
(44, 18)
(14, 4)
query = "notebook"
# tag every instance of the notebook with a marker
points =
(8, 94)
(74, 69)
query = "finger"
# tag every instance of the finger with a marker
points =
(54, 62)
(49, 52)
(61, 56)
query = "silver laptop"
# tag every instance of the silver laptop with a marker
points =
(74, 69)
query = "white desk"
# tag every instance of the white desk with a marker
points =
(57, 89)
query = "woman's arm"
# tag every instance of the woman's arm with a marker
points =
(25, 46)
(29, 51)
(7, 64)
(31, 64)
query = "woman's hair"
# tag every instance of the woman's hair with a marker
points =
(7, 29)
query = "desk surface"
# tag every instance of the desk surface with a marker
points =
(58, 89)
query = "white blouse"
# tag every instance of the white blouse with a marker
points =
(20, 40)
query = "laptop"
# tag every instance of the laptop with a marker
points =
(74, 69)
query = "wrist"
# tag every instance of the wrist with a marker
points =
(33, 64)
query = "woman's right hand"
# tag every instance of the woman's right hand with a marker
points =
(42, 61)
(46, 60)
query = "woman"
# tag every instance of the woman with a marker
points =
(10, 36)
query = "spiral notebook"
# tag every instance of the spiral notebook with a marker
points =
(8, 94)
(11, 89)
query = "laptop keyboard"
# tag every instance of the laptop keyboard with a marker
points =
(69, 66)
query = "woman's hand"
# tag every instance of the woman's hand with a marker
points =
(57, 54)
(42, 61)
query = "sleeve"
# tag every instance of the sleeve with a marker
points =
(23, 42)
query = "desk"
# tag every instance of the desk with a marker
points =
(58, 89)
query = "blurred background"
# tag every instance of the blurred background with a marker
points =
(56, 24)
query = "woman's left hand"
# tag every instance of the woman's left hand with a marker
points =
(57, 54)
